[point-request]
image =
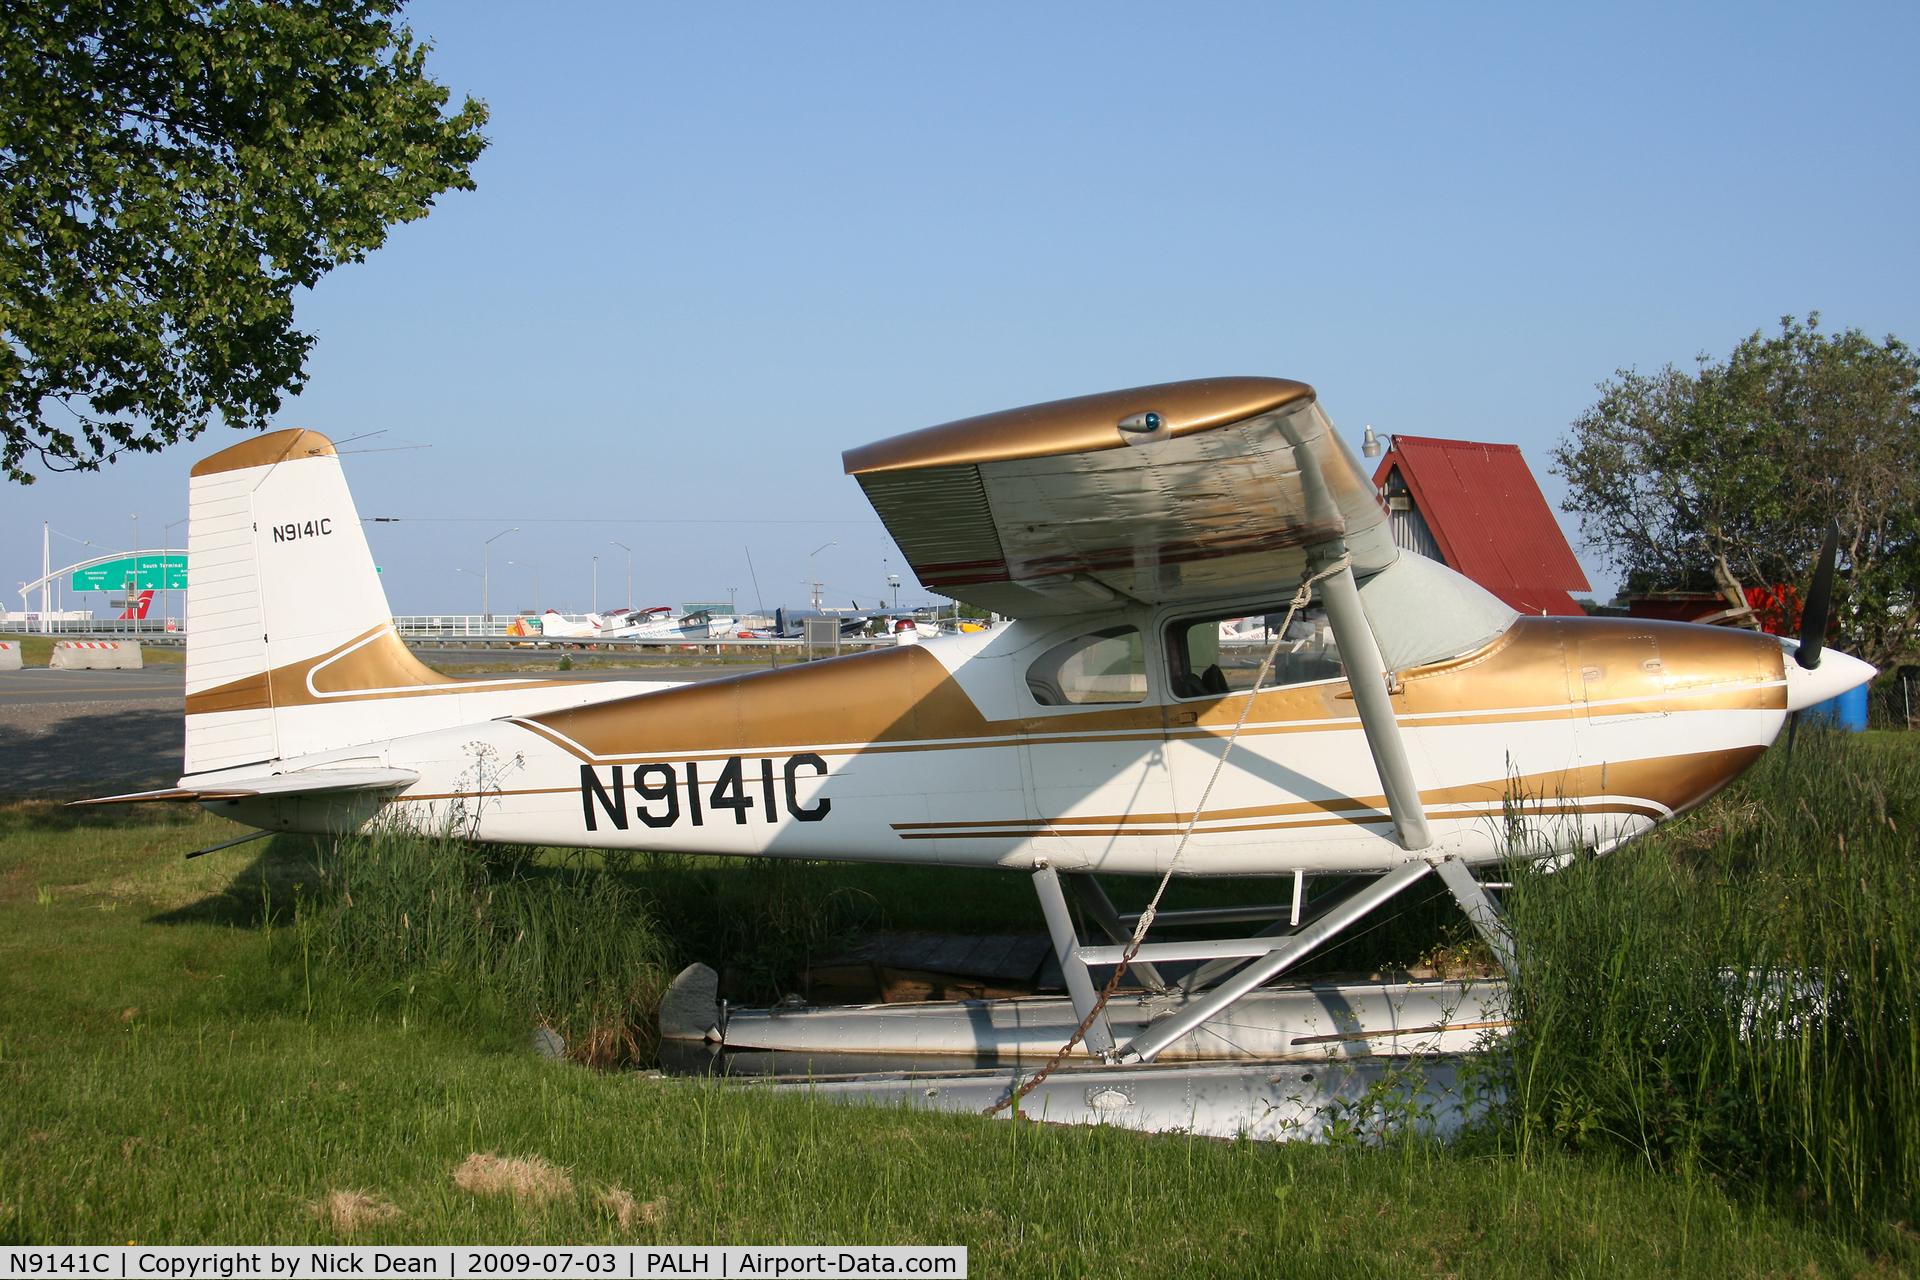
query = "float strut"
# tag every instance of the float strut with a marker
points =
(1066, 946)
(1481, 910)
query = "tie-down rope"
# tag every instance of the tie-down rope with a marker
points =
(1301, 599)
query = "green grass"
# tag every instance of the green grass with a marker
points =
(173, 1068)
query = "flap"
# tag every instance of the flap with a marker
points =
(1178, 493)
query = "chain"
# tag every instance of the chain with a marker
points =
(1301, 599)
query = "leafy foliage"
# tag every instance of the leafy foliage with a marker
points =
(1727, 478)
(170, 172)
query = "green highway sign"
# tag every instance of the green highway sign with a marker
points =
(153, 571)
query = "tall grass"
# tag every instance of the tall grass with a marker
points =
(572, 948)
(567, 940)
(1735, 996)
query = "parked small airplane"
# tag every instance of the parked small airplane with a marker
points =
(624, 623)
(1410, 722)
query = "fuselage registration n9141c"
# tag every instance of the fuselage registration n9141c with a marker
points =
(1408, 714)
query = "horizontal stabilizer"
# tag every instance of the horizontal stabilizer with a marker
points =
(300, 782)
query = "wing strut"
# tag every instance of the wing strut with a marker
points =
(1367, 677)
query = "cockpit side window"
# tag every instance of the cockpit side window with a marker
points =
(1214, 656)
(1107, 666)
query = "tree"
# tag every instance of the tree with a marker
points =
(170, 172)
(1727, 478)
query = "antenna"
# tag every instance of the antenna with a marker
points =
(756, 582)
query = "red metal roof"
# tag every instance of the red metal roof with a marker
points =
(1490, 519)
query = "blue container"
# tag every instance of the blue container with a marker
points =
(1848, 711)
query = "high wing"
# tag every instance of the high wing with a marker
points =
(1176, 493)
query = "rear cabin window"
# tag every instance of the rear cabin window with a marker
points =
(1214, 656)
(1100, 667)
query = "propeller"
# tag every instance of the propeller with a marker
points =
(1813, 619)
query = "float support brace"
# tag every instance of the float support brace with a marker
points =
(1101, 911)
(1482, 910)
(1144, 1047)
(1066, 946)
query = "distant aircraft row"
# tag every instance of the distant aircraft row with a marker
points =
(661, 623)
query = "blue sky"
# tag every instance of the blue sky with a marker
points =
(714, 245)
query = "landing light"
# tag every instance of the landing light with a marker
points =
(1143, 429)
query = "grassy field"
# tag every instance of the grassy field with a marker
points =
(177, 1067)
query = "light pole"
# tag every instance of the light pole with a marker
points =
(133, 579)
(527, 564)
(893, 580)
(596, 584)
(629, 550)
(166, 550)
(486, 575)
(813, 586)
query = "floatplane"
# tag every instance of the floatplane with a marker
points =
(1394, 721)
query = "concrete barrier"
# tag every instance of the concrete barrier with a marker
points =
(9, 655)
(96, 655)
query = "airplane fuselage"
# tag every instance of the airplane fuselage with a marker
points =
(1561, 733)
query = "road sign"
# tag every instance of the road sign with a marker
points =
(148, 571)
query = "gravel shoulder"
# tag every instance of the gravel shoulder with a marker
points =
(65, 750)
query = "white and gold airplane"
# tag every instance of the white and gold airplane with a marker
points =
(1412, 722)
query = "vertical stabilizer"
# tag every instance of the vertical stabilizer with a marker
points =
(282, 584)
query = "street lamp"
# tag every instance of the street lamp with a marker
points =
(486, 575)
(629, 550)
(893, 580)
(813, 586)
(166, 552)
(525, 564)
(596, 584)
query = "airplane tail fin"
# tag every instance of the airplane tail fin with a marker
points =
(284, 604)
(136, 606)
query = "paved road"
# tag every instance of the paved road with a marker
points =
(35, 685)
(76, 733)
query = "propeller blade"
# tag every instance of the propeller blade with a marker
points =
(1813, 619)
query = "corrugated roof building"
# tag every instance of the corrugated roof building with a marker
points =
(1477, 509)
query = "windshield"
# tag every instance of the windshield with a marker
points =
(1212, 656)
